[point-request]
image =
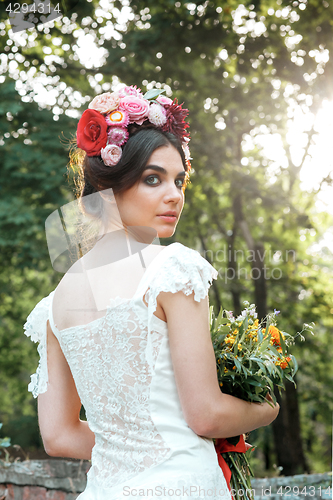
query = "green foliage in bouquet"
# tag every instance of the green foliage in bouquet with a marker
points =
(252, 357)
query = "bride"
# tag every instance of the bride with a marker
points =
(126, 331)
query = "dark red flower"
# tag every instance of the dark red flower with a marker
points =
(175, 120)
(91, 132)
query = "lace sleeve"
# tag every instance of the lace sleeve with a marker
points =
(35, 328)
(183, 269)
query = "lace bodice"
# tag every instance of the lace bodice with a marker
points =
(121, 366)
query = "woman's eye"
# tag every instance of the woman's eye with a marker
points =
(152, 180)
(180, 183)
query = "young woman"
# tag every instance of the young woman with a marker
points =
(126, 331)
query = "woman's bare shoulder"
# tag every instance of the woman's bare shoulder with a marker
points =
(73, 303)
(75, 276)
(77, 294)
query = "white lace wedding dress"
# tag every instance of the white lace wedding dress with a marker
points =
(123, 373)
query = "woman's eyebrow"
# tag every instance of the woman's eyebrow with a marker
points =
(163, 171)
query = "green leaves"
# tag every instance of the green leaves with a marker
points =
(218, 324)
(282, 342)
(153, 93)
(264, 344)
(224, 329)
(33, 166)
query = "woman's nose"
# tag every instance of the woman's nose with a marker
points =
(173, 193)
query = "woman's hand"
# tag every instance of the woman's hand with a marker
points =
(270, 408)
(271, 402)
(273, 409)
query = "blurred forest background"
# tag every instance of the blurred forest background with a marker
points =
(256, 75)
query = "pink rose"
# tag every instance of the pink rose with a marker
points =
(162, 99)
(136, 107)
(105, 103)
(111, 155)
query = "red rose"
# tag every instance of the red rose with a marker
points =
(91, 132)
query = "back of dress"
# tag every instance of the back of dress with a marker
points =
(122, 369)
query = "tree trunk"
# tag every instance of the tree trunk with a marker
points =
(259, 278)
(258, 270)
(286, 427)
(232, 265)
(287, 434)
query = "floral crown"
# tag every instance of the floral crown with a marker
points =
(103, 127)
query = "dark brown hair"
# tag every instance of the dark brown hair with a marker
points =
(95, 176)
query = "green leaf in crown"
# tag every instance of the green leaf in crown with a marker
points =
(153, 93)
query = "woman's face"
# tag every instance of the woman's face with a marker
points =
(157, 199)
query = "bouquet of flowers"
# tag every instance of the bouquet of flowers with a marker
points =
(251, 358)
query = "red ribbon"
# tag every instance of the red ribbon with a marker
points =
(223, 446)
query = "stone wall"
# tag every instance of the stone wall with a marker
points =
(64, 480)
(42, 480)
(315, 486)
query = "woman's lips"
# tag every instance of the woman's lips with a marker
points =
(168, 218)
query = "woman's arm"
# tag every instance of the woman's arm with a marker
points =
(206, 409)
(63, 433)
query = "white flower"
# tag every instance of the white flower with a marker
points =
(230, 315)
(253, 313)
(157, 115)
